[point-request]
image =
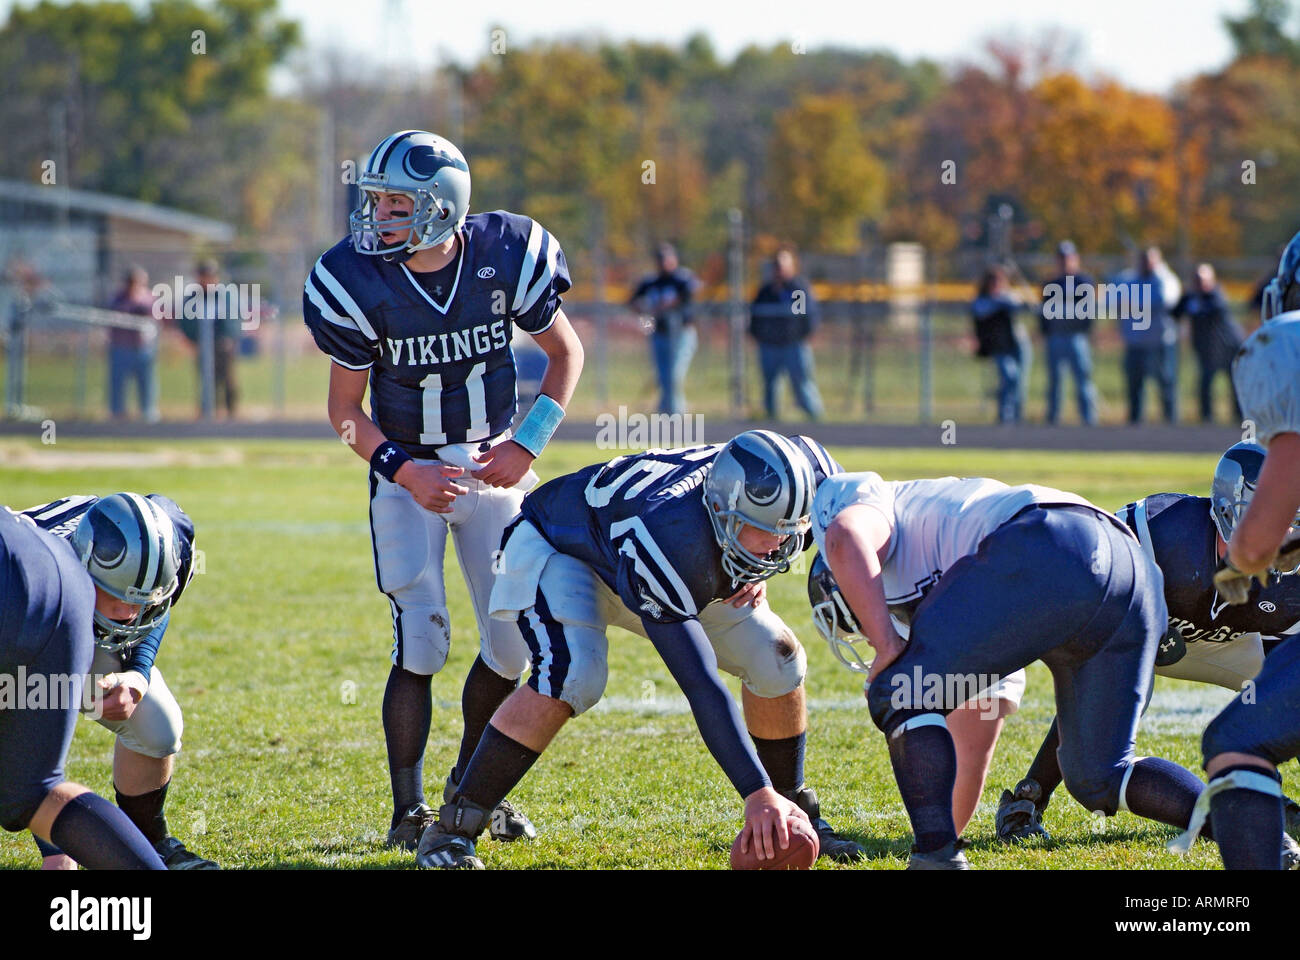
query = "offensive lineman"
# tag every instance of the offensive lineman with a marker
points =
(45, 629)
(133, 547)
(673, 545)
(1208, 640)
(958, 560)
(418, 304)
(1244, 745)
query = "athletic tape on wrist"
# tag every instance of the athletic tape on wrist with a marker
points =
(537, 428)
(387, 459)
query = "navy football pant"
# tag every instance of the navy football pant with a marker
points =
(1263, 720)
(1063, 584)
(46, 609)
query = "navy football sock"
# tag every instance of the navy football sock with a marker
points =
(101, 837)
(1161, 790)
(146, 812)
(925, 766)
(408, 711)
(1248, 826)
(497, 765)
(783, 761)
(485, 690)
(1046, 769)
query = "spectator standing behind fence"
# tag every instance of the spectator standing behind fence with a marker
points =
(1150, 336)
(667, 296)
(215, 305)
(1001, 337)
(1066, 330)
(33, 295)
(1215, 335)
(782, 318)
(132, 354)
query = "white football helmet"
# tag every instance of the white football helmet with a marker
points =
(833, 618)
(759, 479)
(1283, 291)
(428, 169)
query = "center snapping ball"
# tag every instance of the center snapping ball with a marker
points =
(800, 855)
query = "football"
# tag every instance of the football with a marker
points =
(800, 855)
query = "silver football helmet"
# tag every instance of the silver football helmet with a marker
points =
(428, 169)
(132, 551)
(833, 618)
(759, 479)
(1235, 478)
(1285, 285)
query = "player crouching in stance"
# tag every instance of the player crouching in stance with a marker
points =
(1252, 736)
(990, 578)
(139, 552)
(418, 304)
(1208, 640)
(657, 543)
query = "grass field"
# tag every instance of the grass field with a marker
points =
(279, 771)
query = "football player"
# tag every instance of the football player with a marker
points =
(989, 578)
(673, 545)
(139, 552)
(418, 303)
(1244, 744)
(45, 631)
(1207, 640)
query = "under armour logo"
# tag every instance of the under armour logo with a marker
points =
(386, 455)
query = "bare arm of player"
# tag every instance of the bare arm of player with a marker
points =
(856, 543)
(430, 484)
(506, 463)
(1266, 521)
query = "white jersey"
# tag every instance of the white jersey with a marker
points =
(1266, 373)
(933, 523)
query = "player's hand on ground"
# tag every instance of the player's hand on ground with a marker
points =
(766, 828)
(887, 652)
(751, 593)
(118, 702)
(431, 484)
(504, 465)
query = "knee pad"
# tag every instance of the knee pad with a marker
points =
(584, 690)
(777, 669)
(1098, 794)
(421, 637)
(17, 811)
(755, 645)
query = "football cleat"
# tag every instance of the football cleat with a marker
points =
(833, 846)
(1291, 809)
(1018, 817)
(1290, 854)
(418, 818)
(948, 857)
(508, 822)
(440, 850)
(175, 857)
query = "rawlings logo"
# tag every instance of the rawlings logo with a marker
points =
(1268, 606)
(486, 273)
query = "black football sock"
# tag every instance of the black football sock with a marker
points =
(99, 836)
(783, 761)
(1248, 825)
(408, 711)
(146, 812)
(485, 690)
(1160, 790)
(925, 766)
(1046, 769)
(497, 765)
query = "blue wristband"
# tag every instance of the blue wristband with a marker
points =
(537, 428)
(387, 459)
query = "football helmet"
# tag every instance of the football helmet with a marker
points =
(1233, 486)
(759, 479)
(132, 551)
(428, 169)
(1285, 284)
(833, 618)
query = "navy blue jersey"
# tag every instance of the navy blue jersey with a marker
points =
(440, 372)
(641, 523)
(1182, 534)
(60, 517)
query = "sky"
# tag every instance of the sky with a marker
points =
(1146, 44)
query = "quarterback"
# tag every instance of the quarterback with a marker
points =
(988, 579)
(1243, 746)
(419, 304)
(673, 545)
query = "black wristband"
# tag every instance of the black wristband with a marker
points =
(387, 459)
